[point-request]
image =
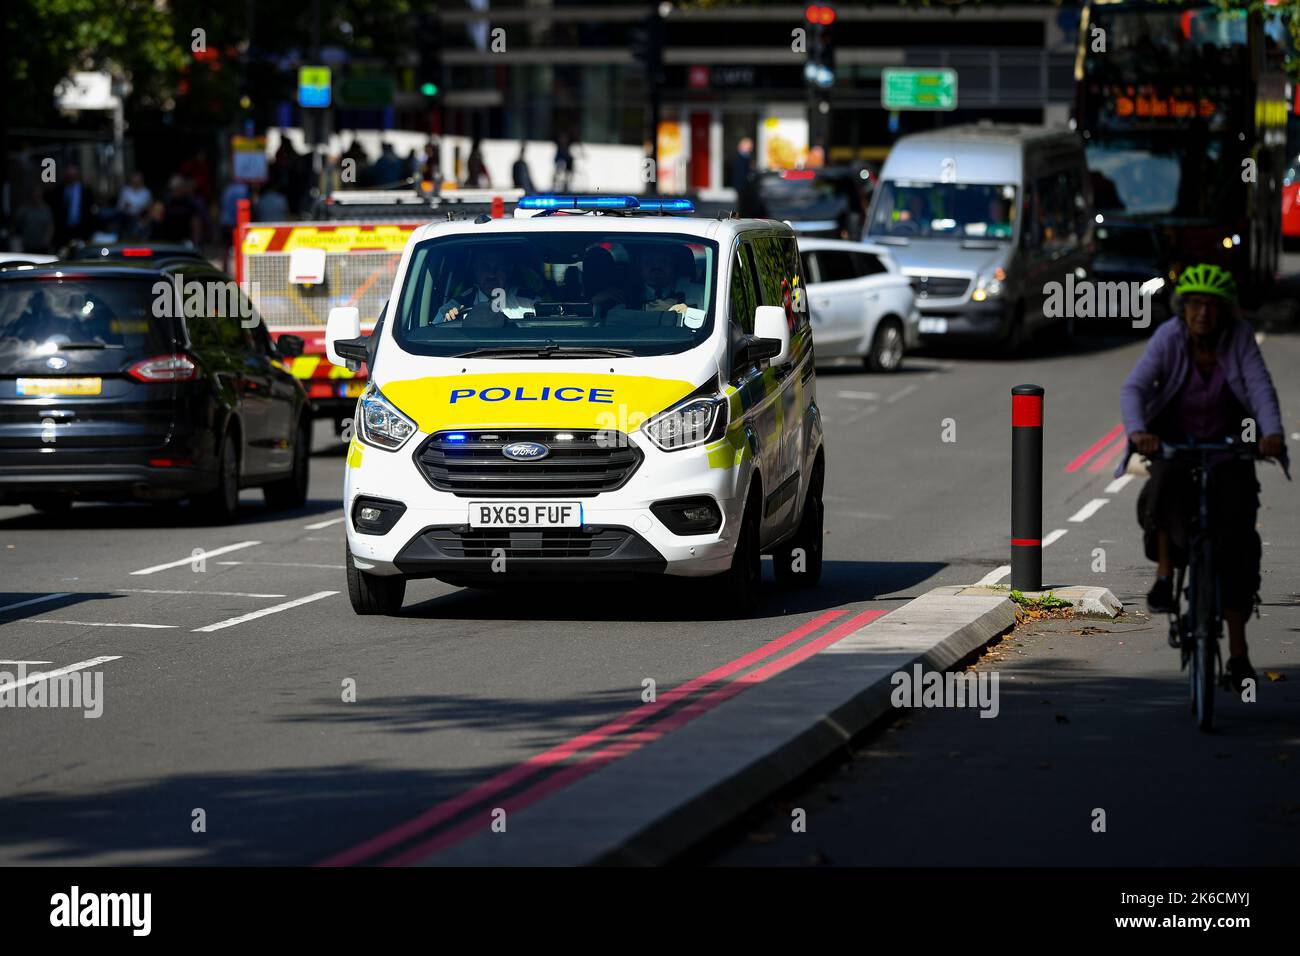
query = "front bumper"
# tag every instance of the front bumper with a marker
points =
(987, 321)
(463, 555)
(431, 538)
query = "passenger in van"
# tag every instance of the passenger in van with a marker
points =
(666, 285)
(492, 271)
(600, 279)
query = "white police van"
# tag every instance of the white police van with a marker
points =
(596, 389)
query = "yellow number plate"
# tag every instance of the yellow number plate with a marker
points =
(60, 386)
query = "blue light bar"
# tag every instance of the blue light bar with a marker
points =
(550, 201)
(666, 205)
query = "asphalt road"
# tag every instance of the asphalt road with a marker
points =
(225, 688)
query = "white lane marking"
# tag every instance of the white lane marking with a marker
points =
(35, 600)
(231, 622)
(57, 672)
(1118, 484)
(994, 576)
(195, 557)
(903, 393)
(213, 593)
(1090, 509)
(26, 662)
(287, 564)
(50, 620)
(324, 524)
(860, 396)
(1055, 536)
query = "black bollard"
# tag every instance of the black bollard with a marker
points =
(1027, 488)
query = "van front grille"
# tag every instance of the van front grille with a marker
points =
(939, 287)
(578, 463)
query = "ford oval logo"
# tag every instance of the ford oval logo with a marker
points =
(56, 362)
(526, 451)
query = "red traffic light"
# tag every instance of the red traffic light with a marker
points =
(820, 14)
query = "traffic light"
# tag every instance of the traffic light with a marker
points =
(648, 47)
(819, 71)
(428, 71)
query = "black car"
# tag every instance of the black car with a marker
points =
(152, 253)
(123, 381)
(827, 201)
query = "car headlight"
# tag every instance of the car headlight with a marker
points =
(382, 424)
(694, 422)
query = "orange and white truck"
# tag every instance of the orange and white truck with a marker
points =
(295, 272)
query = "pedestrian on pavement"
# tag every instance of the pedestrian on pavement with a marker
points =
(476, 169)
(519, 171)
(1201, 378)
(230, 197)
(742, 164)
(387, 170)
(33, 223)
(74, 207)
(182, 219)
(270, 205)
(563, 178)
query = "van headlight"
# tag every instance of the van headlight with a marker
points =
(381, 423)
(989, 285)
(693, 422)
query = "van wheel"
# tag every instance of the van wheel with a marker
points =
(886, 353)
(373, 593)
(742, 582)
(291, 492)
(221, 504)
(804, 570)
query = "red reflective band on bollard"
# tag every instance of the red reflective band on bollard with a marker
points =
(1026, 542)
(1026, 411)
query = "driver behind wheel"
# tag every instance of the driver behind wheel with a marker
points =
(1201, 378)
(495, 288)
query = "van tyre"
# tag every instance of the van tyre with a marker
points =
(886, 353)
(291, 492)
(742, 582)
(221, 504)
(798, 563)
(373, 593)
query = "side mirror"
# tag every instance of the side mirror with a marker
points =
(770, 327)
(290, 346)
(343, 343)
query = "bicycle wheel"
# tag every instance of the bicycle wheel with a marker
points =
(1205, 656)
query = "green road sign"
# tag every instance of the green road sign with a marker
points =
(314, 86)
(902, 89)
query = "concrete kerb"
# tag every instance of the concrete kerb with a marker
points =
(652, 805)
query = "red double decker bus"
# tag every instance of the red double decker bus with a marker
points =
(1183, 112)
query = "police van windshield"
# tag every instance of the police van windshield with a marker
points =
(556, 295)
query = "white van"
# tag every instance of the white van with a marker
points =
(591, 393)
(982, 217)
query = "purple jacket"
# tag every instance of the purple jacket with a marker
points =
(1166, 363)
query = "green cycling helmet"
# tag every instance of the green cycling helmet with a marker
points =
(1207, 279)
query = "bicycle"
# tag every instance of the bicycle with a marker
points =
(1196, 623)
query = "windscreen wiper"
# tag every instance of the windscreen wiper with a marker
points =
(548, 351)
(66, 346)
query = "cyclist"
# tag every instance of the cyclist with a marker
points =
(1201, 378)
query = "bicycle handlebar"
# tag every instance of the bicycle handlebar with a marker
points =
(1236, 449)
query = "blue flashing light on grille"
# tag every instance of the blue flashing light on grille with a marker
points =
(666, 205)
(553, 201)
(455, 436)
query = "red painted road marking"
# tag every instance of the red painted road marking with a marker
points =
(631, 742)
(1095, 447)
(1104, 460)
(533, 765)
